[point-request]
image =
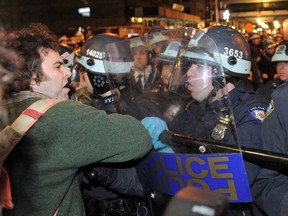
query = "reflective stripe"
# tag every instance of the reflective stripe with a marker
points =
(25, 121)
(21, 125)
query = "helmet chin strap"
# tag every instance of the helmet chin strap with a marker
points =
(231, 79)
(210, 96)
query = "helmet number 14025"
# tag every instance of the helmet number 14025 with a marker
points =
(232, 52)
(95, 54)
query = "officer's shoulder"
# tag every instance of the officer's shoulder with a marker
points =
(253, 98)
(283, 87)
(280, 92)
(256, 105)
(271, 84)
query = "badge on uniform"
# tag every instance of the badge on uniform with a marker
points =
(220, 129)
(257, 113)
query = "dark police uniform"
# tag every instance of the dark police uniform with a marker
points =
(104, 103)
(111, 189)
(267, 89)
(248, 109)
(273, 182)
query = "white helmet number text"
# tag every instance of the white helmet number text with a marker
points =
(95, 54)
(232, 52)
(65, 55)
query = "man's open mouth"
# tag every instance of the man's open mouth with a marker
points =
(68, 84)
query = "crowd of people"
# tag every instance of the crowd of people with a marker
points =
(81, 157)
(262, 48)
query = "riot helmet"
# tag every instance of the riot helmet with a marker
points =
(142, 70)
(169, 51)
(158, 37)
(137, 42)
(234, 50)
(278, 37)
(91, 57)
(281, 52)
(64, 40)
(254, 36)
(156, 41)
(118, 63)
(141, 52)
(280, 60)
(202, 70)
(198, 71)
(166, 60)
(67, 54)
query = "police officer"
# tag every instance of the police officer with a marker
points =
(107, 189)
(282, 71)
(167, 58)
(68, 55)
(265, 65)
(270, 188)
(254, 43)
(158, 39)
(166, 61)
(142, 69)
(89, 62)
(204, 82)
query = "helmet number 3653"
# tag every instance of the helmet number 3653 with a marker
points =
(232, 52)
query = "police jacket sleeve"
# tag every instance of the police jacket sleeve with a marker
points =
(249, 110)
(270, 189)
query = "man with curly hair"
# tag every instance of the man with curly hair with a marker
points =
(44, 164)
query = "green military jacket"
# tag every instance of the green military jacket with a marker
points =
(68, 136)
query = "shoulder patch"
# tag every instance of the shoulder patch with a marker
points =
(257, 113)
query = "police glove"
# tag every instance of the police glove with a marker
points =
(155, 126)
(162, 147)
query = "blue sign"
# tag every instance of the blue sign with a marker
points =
(222, 173)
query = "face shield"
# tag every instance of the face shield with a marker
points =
(85, 64)
(196, 77)
(166, 61)
(168, 50)
(118, 62)
(141, 52)
(198, 72)
(93, 67)
(194, 128)
(118, 58)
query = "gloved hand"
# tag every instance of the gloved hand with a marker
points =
(162, 147)
(155, 126)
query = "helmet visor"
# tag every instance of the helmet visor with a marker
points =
(118, 58)
(198, 70)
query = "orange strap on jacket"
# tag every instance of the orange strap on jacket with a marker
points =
(21, 125)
